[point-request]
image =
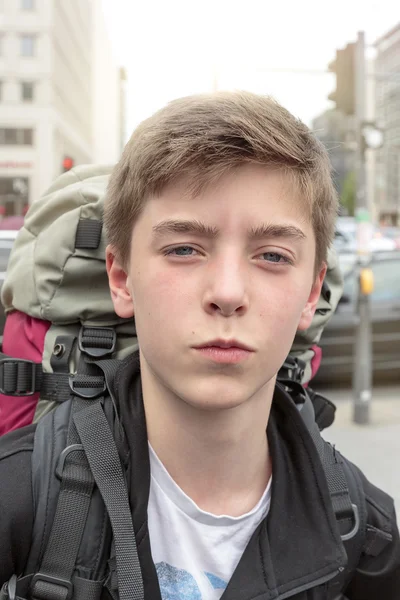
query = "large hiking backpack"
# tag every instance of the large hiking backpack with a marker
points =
(57, 275)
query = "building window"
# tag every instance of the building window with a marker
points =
(27, 4)
(14, 197)
(27, 91)
(16, 137)
(28, 45)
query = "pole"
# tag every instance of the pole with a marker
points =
(362, 372)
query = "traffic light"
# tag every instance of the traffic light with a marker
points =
(344, 68)
(68, 163)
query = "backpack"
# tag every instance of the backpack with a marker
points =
(57, 275)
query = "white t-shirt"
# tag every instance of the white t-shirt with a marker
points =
(195, 552)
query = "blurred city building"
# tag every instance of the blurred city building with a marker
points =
(336, 132)
(387, 94)
(108, 94)
(61, 95)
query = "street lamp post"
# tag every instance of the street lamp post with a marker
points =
(362, 372)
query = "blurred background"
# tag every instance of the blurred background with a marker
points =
(76, 77)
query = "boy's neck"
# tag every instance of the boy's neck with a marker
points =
(220, 459)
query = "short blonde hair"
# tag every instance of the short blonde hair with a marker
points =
(201, 138)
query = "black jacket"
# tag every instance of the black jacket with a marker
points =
(294, 553)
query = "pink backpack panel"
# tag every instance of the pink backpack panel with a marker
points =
(23, 337)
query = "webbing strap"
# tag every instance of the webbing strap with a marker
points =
(86, 589)
(54, 580)
(20, 377)
(57, 567)
(102, 454)
(18, 589)
(376, 541)
(55, 387)
(88, 234)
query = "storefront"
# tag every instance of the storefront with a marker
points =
(14, 189)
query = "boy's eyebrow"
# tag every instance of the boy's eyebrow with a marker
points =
(256, 233)
(185, 226)
(277, 231)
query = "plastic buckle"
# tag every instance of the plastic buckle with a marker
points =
(86, 393)
(294, 369)
(9, 589)
(19, 393)
(93, 351)
(63, 456)
(353, 532)
(52, 580)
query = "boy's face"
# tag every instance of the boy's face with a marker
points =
(219, 284)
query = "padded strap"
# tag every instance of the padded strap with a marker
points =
(346, 512)
(54, 579)
(104, 461)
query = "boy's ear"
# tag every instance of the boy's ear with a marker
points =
(118, 281)
(308, 312)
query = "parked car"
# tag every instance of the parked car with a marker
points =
(392, 233)
(345, 240)
(6, 243)
(337, 341)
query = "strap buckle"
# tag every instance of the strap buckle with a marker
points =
(353, 532)
(87, 387)
(97, 342)
(17, 369)
(40, 593)
(9, 589)
(292, 369)
(63, 457)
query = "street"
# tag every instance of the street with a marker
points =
(375, 448)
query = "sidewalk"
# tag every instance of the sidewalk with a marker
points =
(375, 448)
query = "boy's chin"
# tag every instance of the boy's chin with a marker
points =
(213, 405)
(217, 398)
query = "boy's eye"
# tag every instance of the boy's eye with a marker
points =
(274, 257)
(181, 251)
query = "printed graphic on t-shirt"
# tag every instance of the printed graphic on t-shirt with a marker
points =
(178, 584)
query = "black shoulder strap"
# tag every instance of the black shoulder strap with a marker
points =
(347, 496)
(91, 456)
(105, 464)
(345, 510)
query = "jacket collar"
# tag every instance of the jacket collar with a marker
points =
(295, 548)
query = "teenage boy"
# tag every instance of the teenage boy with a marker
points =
(219, 216)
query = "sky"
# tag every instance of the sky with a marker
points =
(173, 48)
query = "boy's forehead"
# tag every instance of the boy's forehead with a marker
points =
(247, 186)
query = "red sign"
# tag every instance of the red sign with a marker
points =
(10, 164)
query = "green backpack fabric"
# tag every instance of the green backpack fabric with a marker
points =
(57, 273)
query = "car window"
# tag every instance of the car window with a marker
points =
(5, 249)
(386, 283)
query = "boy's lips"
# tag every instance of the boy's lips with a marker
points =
(224, 351)
(225, 344)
